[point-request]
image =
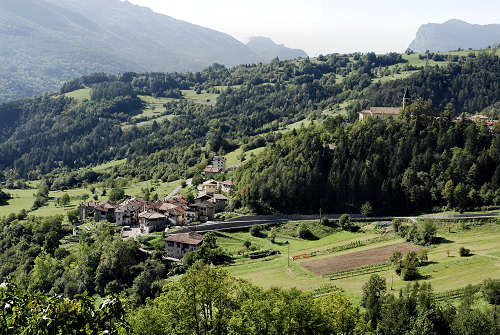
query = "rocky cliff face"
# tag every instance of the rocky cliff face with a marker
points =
(455, 34)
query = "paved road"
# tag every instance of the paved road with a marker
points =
(225, 225)
(178, 188)
(461, 216)
(248, 221)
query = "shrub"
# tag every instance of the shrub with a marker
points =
(464, 252)
(408, 274)
(345, 222)
(396, 224)
(324, 221)
(305, 233)
(367, 209)
(256, 231)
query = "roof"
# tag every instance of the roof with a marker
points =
(210, 182)
(152, 215)
(101, 208)
(219, 158)
(382, 111)
(109, 205)
(132, 204)
(186, 238)
(212, 170)
(220, 197)
(202, 195)
(203, 204)
(228, 183)
(92, 204)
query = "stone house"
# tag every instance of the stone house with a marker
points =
(152, 221)
(176, 246)
(220, 163)
(87, 210)
(211, 186)
(127, 213)
(205, 209)
(380, 112)
(227, 186)
(220, 202)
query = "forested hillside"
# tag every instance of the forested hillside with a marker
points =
(395, 165)
(218, 109)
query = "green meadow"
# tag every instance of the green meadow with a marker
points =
(445, 269)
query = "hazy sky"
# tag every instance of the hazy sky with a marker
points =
(321, 26)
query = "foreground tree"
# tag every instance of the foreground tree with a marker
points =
(373, 296)
(26, 312)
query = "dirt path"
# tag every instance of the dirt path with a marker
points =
(356, 259)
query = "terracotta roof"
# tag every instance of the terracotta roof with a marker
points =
(109, 205)
(92, 204)
(180, 199)
(152, 215)
(101, 208)
(132, 204)
(186, 238)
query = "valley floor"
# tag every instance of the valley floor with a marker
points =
(445, 269)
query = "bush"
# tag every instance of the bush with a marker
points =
(367, 209)
(396, 224)
(345, 222)
(324, 221)
(408, 274)
(256, 231)
(464, 252)
(305, 233)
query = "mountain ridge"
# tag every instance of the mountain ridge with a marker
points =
(267, 49)
(454, 34)
(53, 41)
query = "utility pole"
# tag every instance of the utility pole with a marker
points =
(405, 99)
(288, 242)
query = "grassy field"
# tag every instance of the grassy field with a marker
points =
(109, 165)
(203, 98)
(23, 199)
(445, 270)
(234, 156)
(81, 94)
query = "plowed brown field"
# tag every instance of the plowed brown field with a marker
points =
(355, 260)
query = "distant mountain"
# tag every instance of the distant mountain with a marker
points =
(455, 34)
(46, 42)
(268, 50)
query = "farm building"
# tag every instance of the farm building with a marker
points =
(178, 245)
(380, 112)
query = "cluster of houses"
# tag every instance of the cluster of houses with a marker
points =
(157, 215)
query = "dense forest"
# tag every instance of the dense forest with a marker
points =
(50, 132)
(208, 300)
(416, 163)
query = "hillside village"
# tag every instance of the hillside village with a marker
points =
(148, 217)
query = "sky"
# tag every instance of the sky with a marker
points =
(323, 27)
